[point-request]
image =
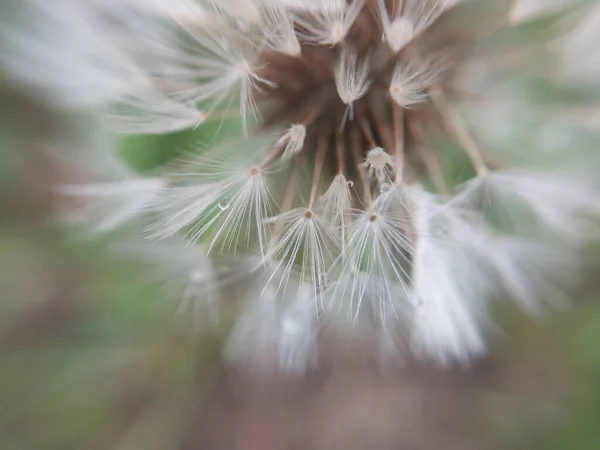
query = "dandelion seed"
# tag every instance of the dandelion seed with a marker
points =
(297, 345)
(407, 20)
(279, 32)
(458, 262)
(531, 273)
(378, 162)
(152, 113)
(209, 68)
(336, 204)
(410, 84)
(256, 334)
(376, 264)
(180, 206)
(292, 140)
(277, 328)
(225, 198)
(108, 205)
(561, 205)
(330, 23)
(304, 247)
(185, 12)
(447, 287)
(446, 329)
(351, 79)
(248, 201)
(185, 274)
(61, 56)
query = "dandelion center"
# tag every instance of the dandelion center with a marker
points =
(349, 97)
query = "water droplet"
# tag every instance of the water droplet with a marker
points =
(224, 205)
(350, 183)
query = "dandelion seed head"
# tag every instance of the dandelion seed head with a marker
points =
(323, 189)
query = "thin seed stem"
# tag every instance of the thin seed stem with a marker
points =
(356, 147)
(303, 59)
(430, 160)
(460, 132)
(312, 115)
(339, 150)
(314, 105)
(292, 187)
(366, 129)
(277, 151)
(381, 123)
(273, 154)
(319, 161)
(291, 190)
(381, 58)
(398, 118)
(434, 169)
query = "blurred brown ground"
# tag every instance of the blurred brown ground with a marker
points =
(351, 403)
